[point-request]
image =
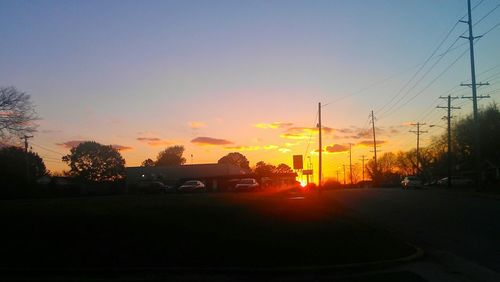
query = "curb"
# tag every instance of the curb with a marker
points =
(234, 270)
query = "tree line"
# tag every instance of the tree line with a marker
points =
(91, 161)
(433, 158)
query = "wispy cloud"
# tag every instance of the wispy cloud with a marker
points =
(50, 131)
(274, 125)
(71, 144)
(154, 141)
(122, 148)
(243, 148)
(74, 143)
(284, 150)
(196, 124)
(333, 149)
(210, 141)
(336, 148)
(301, 133)
(251, 148)
(368, 143)
(270, 147)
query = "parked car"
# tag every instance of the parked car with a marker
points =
(192, 186)
(456, 181)
(247, 184)
(152, 187)
(411, 181)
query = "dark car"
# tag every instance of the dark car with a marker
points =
(456, 181)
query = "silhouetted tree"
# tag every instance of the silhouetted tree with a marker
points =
(92, 161)
(264, 169)
(463, 136)
(283, 168)
(148, 162)
(13, 166)
(171, 156)
(235, 158)
(387, 169)
(17, 114)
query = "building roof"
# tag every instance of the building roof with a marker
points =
(187, 171)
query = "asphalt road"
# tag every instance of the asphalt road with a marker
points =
(460, 223)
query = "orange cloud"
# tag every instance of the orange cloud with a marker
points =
(71, 144)
(243, 148)
(284, 150)
(273, 125)
(368, 143)
(333, 149)
(122, 148)
(270, 147)
(299, 133)
(74, 143)
(154, 141)
(196, 124)
(337, 148)
(210, 141)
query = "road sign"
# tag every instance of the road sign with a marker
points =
(297, 162)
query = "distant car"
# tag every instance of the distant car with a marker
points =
(411, 182)
(192, 186)
(456, 181)
(152, 187)
(247, 184)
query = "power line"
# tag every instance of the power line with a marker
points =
(422, 66)
(47, 149)
(428, 85)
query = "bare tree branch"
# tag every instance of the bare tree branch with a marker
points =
(17, 113)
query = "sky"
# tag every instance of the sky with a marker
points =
(243, 76)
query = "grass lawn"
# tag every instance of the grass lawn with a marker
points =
(189, 230)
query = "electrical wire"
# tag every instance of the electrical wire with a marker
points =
(47, 149)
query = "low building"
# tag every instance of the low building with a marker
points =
(215, 176)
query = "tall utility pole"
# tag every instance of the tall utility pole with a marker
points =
(344, 173)
(418, 132)
(26, 137)
(477, 138)
(320, 147)
(350, 161)
(363, 159)
(448, 118)
(374, 146)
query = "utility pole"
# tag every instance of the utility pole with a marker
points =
(320, 148)
(363, 159)
(344, 173)
(338, 176)
(418, 132)
(350, 161)
(477, 138)
(26, 137)
(448, 118)
(374, 148)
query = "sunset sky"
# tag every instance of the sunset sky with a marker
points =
(242, 76)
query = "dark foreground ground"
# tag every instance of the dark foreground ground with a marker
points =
(189, 235)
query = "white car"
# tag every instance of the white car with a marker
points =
(411, 181)
(192, 186)
(247, 184)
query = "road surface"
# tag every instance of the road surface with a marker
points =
(455, 226)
